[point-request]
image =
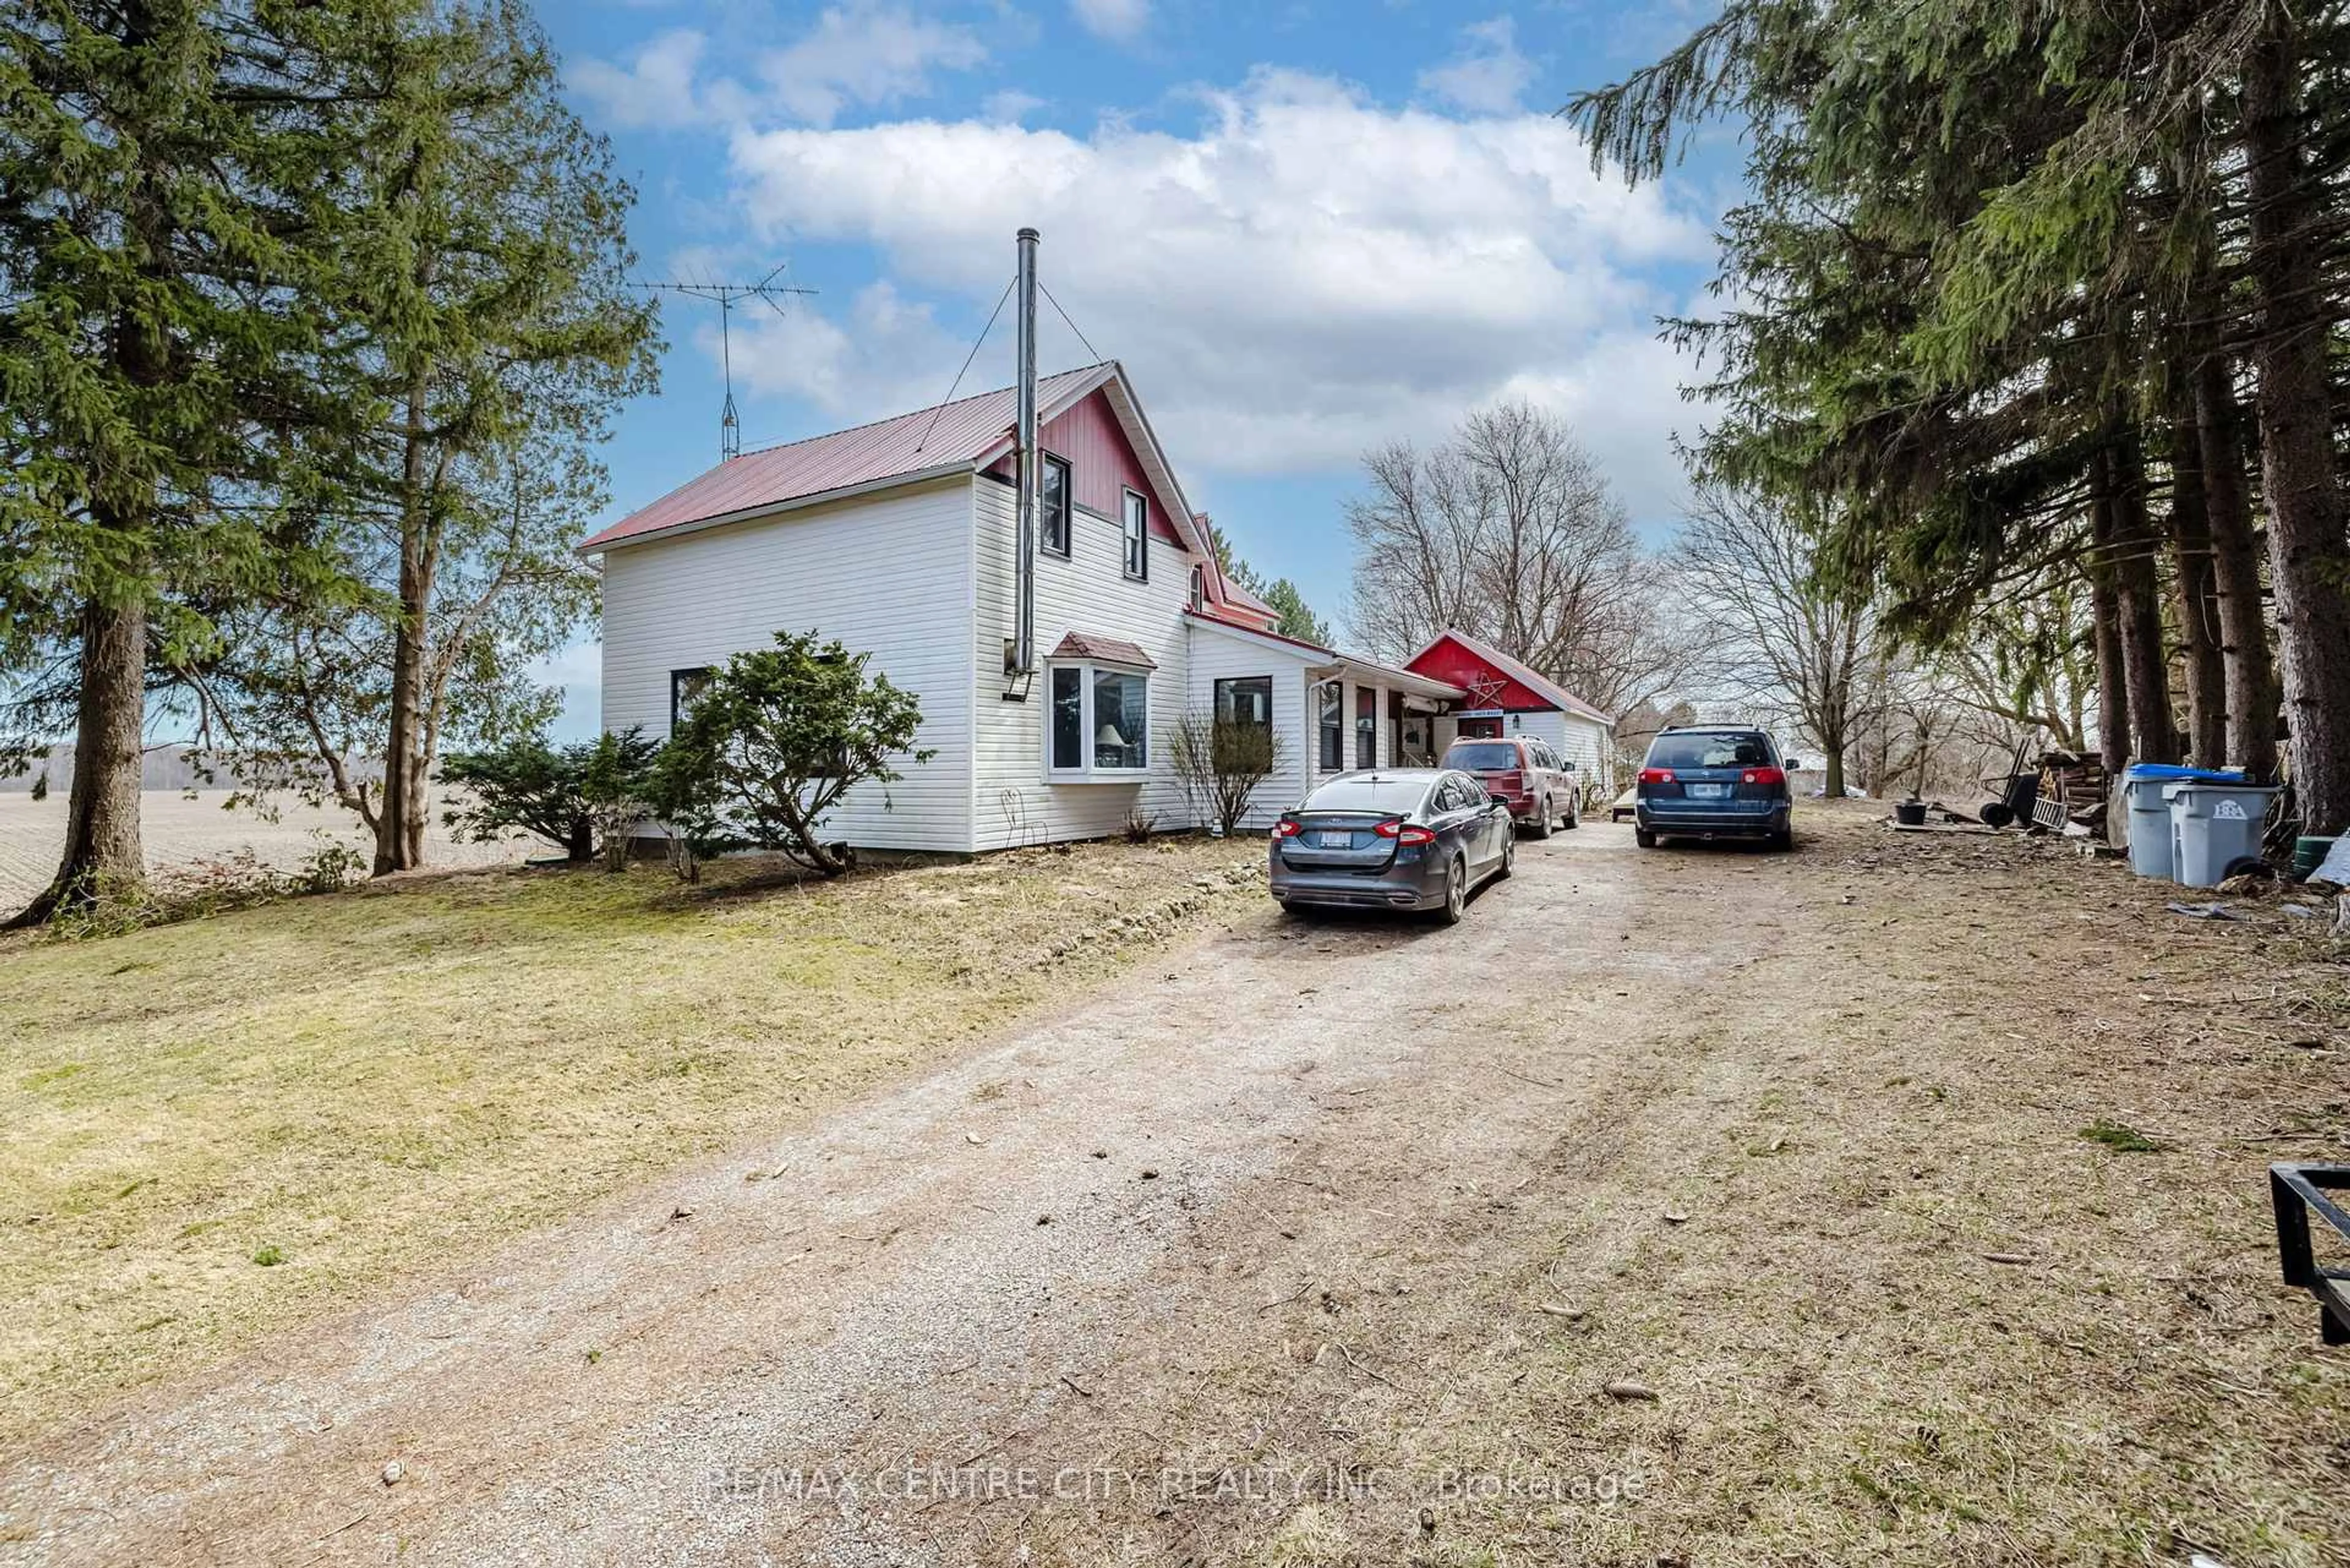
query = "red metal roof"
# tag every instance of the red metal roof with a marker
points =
(947, 437)
(1248, 600)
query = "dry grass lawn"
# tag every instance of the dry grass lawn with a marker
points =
(219, 1128)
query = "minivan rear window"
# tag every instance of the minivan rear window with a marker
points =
(1698, 750)
(1490, 756)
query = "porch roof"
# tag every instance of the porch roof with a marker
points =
(1371, 672)
(1323, 662)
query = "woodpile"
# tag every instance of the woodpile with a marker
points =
(2079, 785)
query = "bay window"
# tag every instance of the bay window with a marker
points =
(1098, 721)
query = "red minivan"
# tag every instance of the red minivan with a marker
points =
(1537, 784)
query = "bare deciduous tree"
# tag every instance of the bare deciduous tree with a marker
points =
(1776, 641)
(1223, 763)
(1509, 532)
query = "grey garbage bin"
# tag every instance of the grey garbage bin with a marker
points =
(2212, 825)
(2148, 833)
(2149, 822)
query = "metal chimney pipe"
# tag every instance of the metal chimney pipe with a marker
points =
(1020, 656)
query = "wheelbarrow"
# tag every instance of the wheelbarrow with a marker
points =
(2019, 791)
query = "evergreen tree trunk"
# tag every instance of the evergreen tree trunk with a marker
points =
(2244, 660)
(2104, 617)
(102, 859)
(400, 823)
(2308, 559)
(2193, 605)
(2137, 603)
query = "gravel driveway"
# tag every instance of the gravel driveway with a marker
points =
(1265, 1212)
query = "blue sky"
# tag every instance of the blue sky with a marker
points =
(1308, 227)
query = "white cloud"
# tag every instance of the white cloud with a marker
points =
(863, 54)
(1489, 75)
(658, 87)
(1118, 19)
(1307, 274)
(888, 355)
(1010, 104)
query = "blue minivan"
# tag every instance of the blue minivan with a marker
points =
(1714, 783)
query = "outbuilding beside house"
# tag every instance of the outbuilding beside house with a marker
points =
(1504, 696)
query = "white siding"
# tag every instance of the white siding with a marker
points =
(889, 575)
(1012, 804)
(1592, 745)
(1581, 740)
(1218, 655)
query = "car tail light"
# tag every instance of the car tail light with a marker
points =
(1656, 775)
(1765, 776)
(1288, 827)
(1416, 835)
(1390, 828)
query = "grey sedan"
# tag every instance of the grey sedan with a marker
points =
(1392, 839)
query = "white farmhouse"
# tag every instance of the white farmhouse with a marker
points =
(902, 539)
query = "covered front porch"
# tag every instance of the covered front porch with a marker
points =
(1364, 714)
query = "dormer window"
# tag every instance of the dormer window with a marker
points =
(1198, 588)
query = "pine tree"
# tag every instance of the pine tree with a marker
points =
(159, 313)
(482, 282)
(2007, 266)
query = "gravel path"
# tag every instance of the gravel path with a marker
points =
(980, 1244)
(1310, 1197)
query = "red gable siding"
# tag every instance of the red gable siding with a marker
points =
(1448, 660)
(1101, 464)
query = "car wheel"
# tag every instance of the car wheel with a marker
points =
(1783, 839)
(1573, 813)
(1456, 892)
(1509, 858)
(1644, 838)
(1542, 819)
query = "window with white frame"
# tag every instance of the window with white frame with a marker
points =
(1137, 537)
(1054, 490)
(1098, 721)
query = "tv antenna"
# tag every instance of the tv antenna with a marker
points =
(726, 297)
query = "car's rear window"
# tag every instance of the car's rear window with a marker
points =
(1698, 750)
(1370, 791)
(1492, 756)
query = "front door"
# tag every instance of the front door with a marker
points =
(1488, 728)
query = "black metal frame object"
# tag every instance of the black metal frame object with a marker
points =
(2297, 1191)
